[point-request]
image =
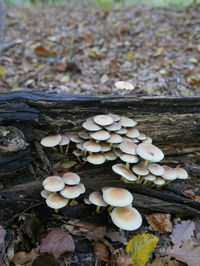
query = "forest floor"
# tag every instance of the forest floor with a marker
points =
(80, 48)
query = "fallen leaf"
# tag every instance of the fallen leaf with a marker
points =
(160, 222)
(117, 236)
(101, 251)
(57, 242)
(182, 232)
(120, 259)
(24, 258)
(141, 247)
(41, 51)
(160, 261)
(88, 230)
(188, 252)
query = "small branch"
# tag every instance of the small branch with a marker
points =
(6, 46)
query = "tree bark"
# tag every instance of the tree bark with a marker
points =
(25, 117)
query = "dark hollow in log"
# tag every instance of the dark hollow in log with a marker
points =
(172, 122)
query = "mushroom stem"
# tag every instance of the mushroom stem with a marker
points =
(61, 149)
(127, 165)
(54, 148)
(124, 179)
(100, 209)
(146, 163)
(67, 148)
(78, 159)
(56, 210)
(110, 208)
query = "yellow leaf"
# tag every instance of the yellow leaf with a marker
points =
(159, 51)
(2, 71)
(141, 247)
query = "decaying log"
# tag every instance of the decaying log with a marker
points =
(172, 122)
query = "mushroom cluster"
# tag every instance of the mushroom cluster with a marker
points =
(110, 137)
(61, 191)
(119, 203)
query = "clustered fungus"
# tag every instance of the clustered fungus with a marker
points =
(62, 191)
(108, 138)
(119, 204)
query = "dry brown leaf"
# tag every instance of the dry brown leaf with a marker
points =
(57, 242)
(88, 230)
(42, 51)
(120, 259)
(188, 252)
(164, 261)
(117, 236)
(160, 222)
(23, 258)
(101, 251)
(182, 232)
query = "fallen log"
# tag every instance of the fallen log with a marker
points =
(25, 117)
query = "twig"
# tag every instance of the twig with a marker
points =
(7, 46)
(18, 214)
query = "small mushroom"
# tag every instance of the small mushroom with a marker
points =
(125, 173)
(181, 173)
(51, 141)
(96, 198)
(114, 138)
(149, 152)
(71, 192)
(100, 135)
(103, 120)
(71, 178)
(126, 218)
(127, 122)
(44, 193)
(169, 173)
(159, 181)
(96, 158)
(110, 156)
(113, 127)
(64, 142)
(91, 125)
(156, 169)
(128, 147)
(124, 85)
(56, 201)
(118, 197)
(92, 146)
(53, 183)
(133, 133)
(114, 117)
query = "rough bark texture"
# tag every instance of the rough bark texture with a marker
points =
(25, 117)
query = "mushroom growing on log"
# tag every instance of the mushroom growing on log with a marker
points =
(172, 122)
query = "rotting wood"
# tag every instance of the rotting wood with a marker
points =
(172, 122)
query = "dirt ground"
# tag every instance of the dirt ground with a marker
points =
(80, 48)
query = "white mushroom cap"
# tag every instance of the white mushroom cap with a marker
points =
(82, 187)
(64, 140)
(159, 181)
(150, 177)
(75, 138)
(121, 170)
(110, 156)
(132, 132)
(71, 178)
(140, 170)
(129, 158)
(92, 146)
(84, 135)
(122, 131)
(51, 141)
(100, 135)
(147, 140)
(181, 173)
(117, 152)
(77, 152)
(87, 201)
(71, 192)
(91, 125)
(114, 117)
(96, 198)
(125, 138)
(103, 120)
(118, 197)
(124, 85)
(149, 152)
(113, 127)
(127, 122)
(169, 173)
(96, 158)
(114, 138)
(128, 147)
(56, 201)
(53, 183)
(105, 147)
(142, 137)
(156, 169)
(126, 218)
(44, 193)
